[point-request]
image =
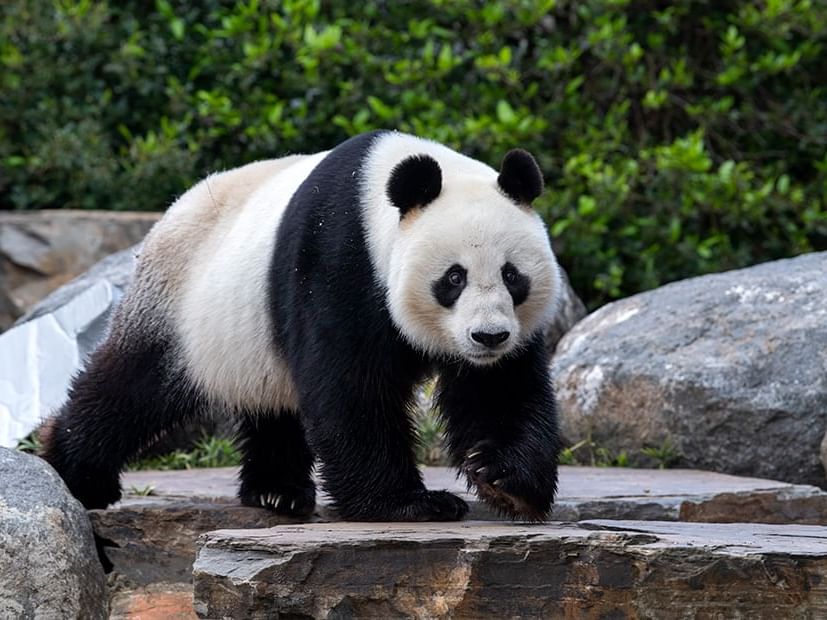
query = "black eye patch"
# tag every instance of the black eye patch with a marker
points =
(517, 283)
(449, 287)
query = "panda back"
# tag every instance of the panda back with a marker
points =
(222, 319)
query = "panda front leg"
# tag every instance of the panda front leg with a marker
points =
(277, 465)
(364, 440)
(502, 430)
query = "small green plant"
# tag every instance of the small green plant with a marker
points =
(589, 452)
(566, 457)
(665, 455)
(207, 452)
(29, 444)
(142, 491)
(430, 429)
(569, 455)
(430, 447)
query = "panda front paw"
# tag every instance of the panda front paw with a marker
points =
(291, 503)
(504, 484)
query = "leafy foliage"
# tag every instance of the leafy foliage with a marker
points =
(677, 138)
(588, 452)
(207, 452)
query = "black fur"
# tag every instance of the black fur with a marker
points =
(517, 283)
(132, 391)
(502, 429)
(354, 373)
(520, 177)
(414, 182)
(445, 291)
(277, 465)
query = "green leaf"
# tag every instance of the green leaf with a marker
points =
(505, 113)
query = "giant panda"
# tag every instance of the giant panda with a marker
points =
(307, 297)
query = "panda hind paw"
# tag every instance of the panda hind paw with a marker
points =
(294, 503)
(434, 506)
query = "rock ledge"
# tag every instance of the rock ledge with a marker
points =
(617, 569)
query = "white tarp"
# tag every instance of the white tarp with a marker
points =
(39, 358)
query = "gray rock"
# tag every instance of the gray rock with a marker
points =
(823, 452)
(156, 534)
(594, 569)
(569, 312)
(41, 250)
(729, 369)
(48, 564)
(118, 269)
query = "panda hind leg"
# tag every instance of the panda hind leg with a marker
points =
(277, 464)
(130, 394)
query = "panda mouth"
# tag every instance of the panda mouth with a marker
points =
(483, 357)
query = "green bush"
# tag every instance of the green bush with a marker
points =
(676, 138)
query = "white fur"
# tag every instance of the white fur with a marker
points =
(223, 319)
(470, 223)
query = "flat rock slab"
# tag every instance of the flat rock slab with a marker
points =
(594, 569)
(155, 535)
(585, 493)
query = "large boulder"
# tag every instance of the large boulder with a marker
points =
(39, 356)
(570, 310)
(591, 569)
(116, 271)
(40, 250)
(48, 564)
(727, 371)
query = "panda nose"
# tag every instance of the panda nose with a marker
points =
(488, 339)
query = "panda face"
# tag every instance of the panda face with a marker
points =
(472, 274)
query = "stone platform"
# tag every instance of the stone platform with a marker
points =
(593, 569)
(156, 535)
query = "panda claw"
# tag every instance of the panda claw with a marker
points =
(292, 505)
(497, 483)
(481, 470)
(277, 503)
(474, 454)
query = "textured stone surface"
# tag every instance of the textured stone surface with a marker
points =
(155, 540)
(40, 250)
(48, 564)
(597, 569)
(161, 601)
(156, 534)
(731, 369)
(117, 269)
(569, 312)
(584, 493)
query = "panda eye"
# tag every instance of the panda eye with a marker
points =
(456, 278)
(510, 276)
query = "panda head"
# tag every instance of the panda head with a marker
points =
(472, 274)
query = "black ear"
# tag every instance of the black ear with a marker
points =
(414, 182)
(520, 177)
